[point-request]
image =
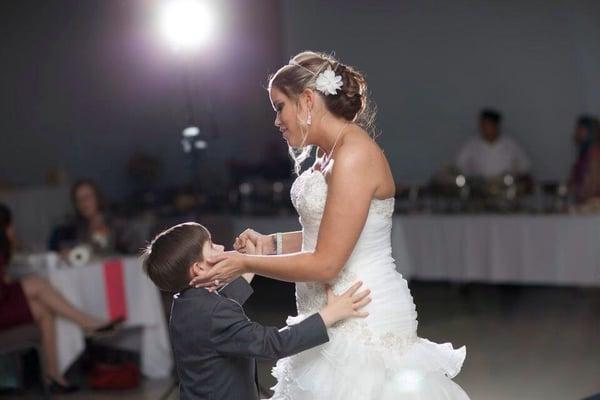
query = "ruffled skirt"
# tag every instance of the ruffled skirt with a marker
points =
(346, 369)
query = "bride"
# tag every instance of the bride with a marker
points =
(345, 202)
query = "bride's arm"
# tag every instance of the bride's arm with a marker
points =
(291, 242)
(350, 190)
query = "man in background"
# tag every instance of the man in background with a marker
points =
(492, 154)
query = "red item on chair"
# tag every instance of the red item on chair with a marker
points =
(125, 375)
(115, 289)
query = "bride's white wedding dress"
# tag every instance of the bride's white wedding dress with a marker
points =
(379, 357)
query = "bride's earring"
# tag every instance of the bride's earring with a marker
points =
(309, 119)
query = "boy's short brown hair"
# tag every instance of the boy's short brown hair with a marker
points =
(167, 259)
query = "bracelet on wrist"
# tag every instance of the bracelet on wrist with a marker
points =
(273, 243)
(279, 243)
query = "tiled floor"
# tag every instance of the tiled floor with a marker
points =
(149, 389)
(522, 342)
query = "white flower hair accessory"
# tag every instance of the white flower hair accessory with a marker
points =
(328, 82)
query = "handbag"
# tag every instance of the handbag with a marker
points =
(117, 376)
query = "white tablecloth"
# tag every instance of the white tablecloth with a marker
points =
(520, 249)
(85, 288)
(546, 249)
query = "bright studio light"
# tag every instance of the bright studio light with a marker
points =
(186, 24)
(190, 131)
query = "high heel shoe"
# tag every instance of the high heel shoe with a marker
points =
(108, 329)
(58, 388)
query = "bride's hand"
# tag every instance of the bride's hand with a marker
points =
(226, 267)
(264, 243)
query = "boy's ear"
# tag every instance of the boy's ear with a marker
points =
(197, 268)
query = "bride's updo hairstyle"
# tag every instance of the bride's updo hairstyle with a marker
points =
(350, 101)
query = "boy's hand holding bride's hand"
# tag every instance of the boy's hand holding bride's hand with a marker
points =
(226, 267)
(240, 245)
(246, 246)
(263, 242)
(345, 305)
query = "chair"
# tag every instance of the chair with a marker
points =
(23, 338)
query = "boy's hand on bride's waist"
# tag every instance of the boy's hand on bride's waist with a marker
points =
(225, 267)
(345, 305)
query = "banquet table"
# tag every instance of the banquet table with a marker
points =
(545, 249)
(109, 289)
(529, 249)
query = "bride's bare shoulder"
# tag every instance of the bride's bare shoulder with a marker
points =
(357, 146)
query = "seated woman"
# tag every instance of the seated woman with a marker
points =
(33, 299)
(585, 174)
(92, 225)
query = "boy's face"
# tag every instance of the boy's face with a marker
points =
(211, 249)
(208, 250)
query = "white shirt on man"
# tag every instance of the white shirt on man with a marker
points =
(482, 158)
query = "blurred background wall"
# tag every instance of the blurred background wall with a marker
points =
(432, 65)
(85, 86)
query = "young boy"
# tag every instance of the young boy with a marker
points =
(214, 343)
